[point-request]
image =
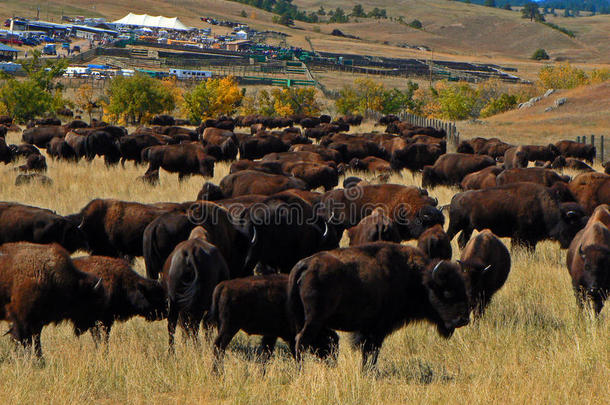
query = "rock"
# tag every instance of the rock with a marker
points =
(549, 92)
(548, 109)
(33, 178)
(560, 101)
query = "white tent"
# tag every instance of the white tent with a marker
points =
(145, 20)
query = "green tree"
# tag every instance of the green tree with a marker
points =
(283, 19)
(339, 16)
(358, 11)
(507, 7)
(457, 101)
(321, 11)
(530, 10)
(540, 54)
(243, 14)
(416, 24)
(490, 3)
(134, 99)
(38, 94)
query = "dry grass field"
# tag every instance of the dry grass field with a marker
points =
(532, 345)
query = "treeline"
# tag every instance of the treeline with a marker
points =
(569, 8)
(287, 13)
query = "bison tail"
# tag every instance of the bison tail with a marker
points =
(151, 253)
(211, 317)
(184, 287)
(294, 303)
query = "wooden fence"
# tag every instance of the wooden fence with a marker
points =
(453, 135)
(598, 142)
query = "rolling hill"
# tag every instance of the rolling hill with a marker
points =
(449, 27)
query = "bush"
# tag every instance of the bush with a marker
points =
(562, 76)
(540, 54)
(132, 100)
(211, 98)
(416, 24)
(600, 75)
(282, 102)
(368, 95)
(499, 105)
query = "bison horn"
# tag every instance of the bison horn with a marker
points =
(325, 234)
(435, 270)
(435, 201)
(486, 269)
(98, 286)
(571, 214)
(254, 236)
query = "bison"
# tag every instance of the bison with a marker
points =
(190, 274)
(591, 190)
(258, 306)
(576, 150)
(185, 159)
(374, 228)
(450, 169)
(588, 260)
(127, 293)
(435, 243)
(23, 223)
(40, 285)
(373, 290)
(539, 175)
(482, 179)
(526, 212)
(486, 261)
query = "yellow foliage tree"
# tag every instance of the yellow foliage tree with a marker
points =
(563, 76)
(211, 98)
(86, 99)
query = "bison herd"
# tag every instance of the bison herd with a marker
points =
(259, 251)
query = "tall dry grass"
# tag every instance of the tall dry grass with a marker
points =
(532, 345)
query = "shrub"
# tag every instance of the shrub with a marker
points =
(540, 54)
(416, 24)
(368, 95)
(211, 98)
(499, 105)
(563, 76)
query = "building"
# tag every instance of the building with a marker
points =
(92, 33)
(238, 45)
(149, 21)
(7, 53)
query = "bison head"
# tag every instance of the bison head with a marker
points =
(149, 300)
(572, 220)
(429, 178)
(210, 192)
(448, 296)
(412, 228)
(595, 280)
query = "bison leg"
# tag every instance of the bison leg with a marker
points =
(225, 335)
(370, 352)
(464, 237)
(266, 348)
(305, 337)
(172, 321)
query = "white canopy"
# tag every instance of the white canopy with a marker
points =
(145, 20)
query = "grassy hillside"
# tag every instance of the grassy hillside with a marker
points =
(450, 28)
(584, 113)
(532, 346)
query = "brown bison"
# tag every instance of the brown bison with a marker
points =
(255, 182)
(482, 179)
(185, 159)
(450, 169)
(526, 212)
(131, 146)
(588, 260)
(38, 225)
(576, 150)
(273, 167)
(371, 164)
(416, 156)
(435, 243)
(409, 207)
(313, 174)
(373, 290)
(190, 274)
(34, 163)
(40, 285)
(515, 157)
(114, 228)
(41, 136)
(374, 228)
(487, 263)
(127, 293)
(59, 149)
(258, 306)
(230, 236)
(255, 147)
(538, 175)
(324, 152)
(561, 162)
(591, 190)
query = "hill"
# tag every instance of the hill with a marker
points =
(449, 28)
(584, 113)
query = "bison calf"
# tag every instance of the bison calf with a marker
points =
(257, 305)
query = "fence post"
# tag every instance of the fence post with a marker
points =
(593, 140)
(578, 139)
(601, 150)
